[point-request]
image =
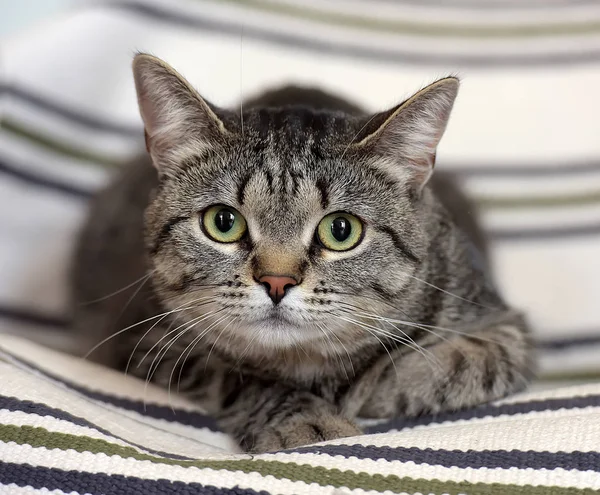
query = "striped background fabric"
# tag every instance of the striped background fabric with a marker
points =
(67, 426)
(524, 139)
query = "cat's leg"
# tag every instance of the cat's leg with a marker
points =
(456, 372)
(264, 418)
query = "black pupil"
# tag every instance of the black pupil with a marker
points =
(341, 229)
(224, 220)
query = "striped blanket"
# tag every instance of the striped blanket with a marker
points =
(523, 138)
(71, 427)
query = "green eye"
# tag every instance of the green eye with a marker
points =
(223, 224)
(340, 231)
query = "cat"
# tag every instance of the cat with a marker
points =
(295, 267)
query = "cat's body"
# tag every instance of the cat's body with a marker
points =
(281, 369)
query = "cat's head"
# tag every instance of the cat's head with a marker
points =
(290, 226)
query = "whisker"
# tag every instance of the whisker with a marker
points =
(104, 341)
(142, 279)
(163, 352)
(426, 327)
(216, 340)
(334, 350)
(451, 293)
(360, 325)
(198, 319)
(190, 346)
(195, 342)
(404, 341)
(207, 300)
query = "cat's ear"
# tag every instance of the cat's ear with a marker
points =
(405, 138)
(178, 122)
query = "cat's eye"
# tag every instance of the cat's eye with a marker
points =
(223, 223)
(340, 231)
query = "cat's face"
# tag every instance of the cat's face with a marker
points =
(300, 230)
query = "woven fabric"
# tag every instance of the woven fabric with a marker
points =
(67, 426)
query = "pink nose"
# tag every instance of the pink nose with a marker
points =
(277, 285)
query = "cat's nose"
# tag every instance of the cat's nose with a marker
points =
(277, 285)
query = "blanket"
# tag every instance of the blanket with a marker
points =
(68, 426)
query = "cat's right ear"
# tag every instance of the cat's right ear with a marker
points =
(178, 122)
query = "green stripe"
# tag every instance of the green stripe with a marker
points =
(581, 199)
(430, 29)
(485, 202)
(40, 437)
(583, 376)
(57, 146)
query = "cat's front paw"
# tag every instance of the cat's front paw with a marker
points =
(303, 429)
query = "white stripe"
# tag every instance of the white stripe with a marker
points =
(553, 431)
(514, 475)
(35, 256)
(578, 359)
(95, 377)
(118, 147)
(181, 440)
(13, 489)
(496, 113)
(20, 418)
(43, 162)
(426, 12)
(557, 393)
(553, 185)
(535, 218)
(100, 463)
(556, 284)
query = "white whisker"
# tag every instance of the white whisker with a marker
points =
(142, 279)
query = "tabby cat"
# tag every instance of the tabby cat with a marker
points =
(294, 266)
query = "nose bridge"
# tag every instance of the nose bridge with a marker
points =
(278, 260)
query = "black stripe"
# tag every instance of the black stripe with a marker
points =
(399, 243)
(52, 184)
(40, 477)
(23, 315)
(498, 170)
(165, 233)
(488, 410)
(29, 407)
(329, 47)
(242, 187)
(172, 415)
(557, 344)
(491, 459)
(531, 170)
(322, 187)
(537, 234)
(91, 121)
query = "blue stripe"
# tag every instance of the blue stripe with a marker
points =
(103, 484)
(491, 459)
(29, 407)
(488, 411)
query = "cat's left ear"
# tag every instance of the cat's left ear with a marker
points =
(178, 122)
(405, 138)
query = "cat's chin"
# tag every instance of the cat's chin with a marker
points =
(283, 332)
